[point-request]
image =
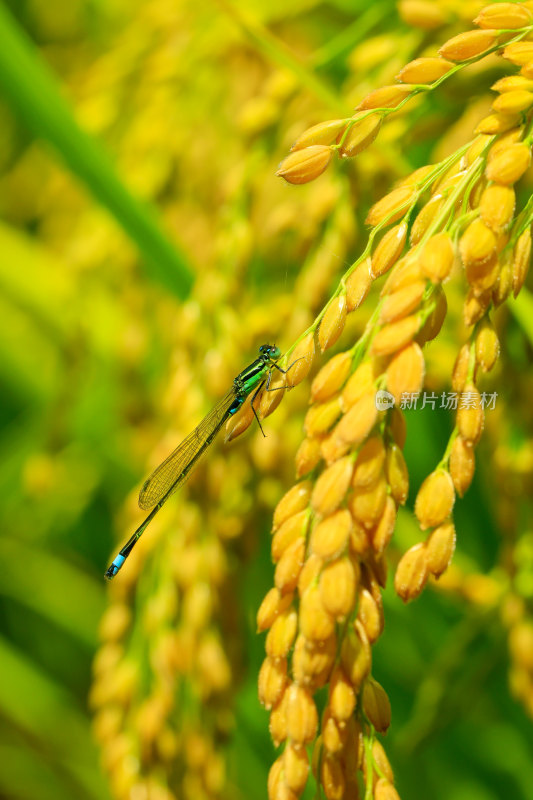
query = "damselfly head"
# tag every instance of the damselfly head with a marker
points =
(270, 350)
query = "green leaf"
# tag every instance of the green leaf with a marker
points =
(35, 579)
(47, 715)
(522, 308)
(32, 91)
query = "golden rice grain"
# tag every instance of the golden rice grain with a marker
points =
(399, 304)
(334, 735)
(418, 176)
(503, 142)
(367, 503)
(437, 257)
(381, 761)
(115, 622)
(504, 15)
(385, 97)
(405, 372)
(477, 149)
(424, 70)
(487, 345)
(359, 539)
(293, 501)
(440, 548)
(425, 217)
(468, 45)
(330, 536)
(239, 422)
(462, 464)
(512, 82)
(376, 705)
(315, 622)
(324, 133)
(272, 681)
(274, 778)
(282, 634)
(292, 529)
(521, 261)
(382, 533)
(271, 399)
(312, 661)
(331, 377)
(333, 448)
(331, 486)
(477, 244)
(497, 123)
(503, 285)
(338, 585)
(356, 655)
(295, 768)
(385, 790)
(332, 778)
(392, 206)
(301, 360)
(398, 426)
(411, 573)
(509, 165)
(278, 730)
(360, 383)
(359, 420)
(310, 572)
(397, 474)
(302, 166)
(395, 336)
(435, 499)
(358, 285)
(302, 717)
(307, 457)
(513, 102)
(519, 53)
(353, 758)
(406, 272)
(361, 135)
(369, 462)
(470, 416)
(370, 615)
(333, 321)
(341, 699)
(461, 369)
(289, 566)
(423, 14)
(322, 416)
(482, 275)
(274, 603)
(497, 206)
(389, 250)
(527, 69)
(475, 305)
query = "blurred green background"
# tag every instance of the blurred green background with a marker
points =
(138, 145)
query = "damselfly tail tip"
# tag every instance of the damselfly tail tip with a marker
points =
(114, 567)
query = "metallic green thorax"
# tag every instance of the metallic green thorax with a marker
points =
(254, 375)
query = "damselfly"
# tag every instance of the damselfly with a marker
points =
(175, 470)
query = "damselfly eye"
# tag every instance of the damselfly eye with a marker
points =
(271, 350)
